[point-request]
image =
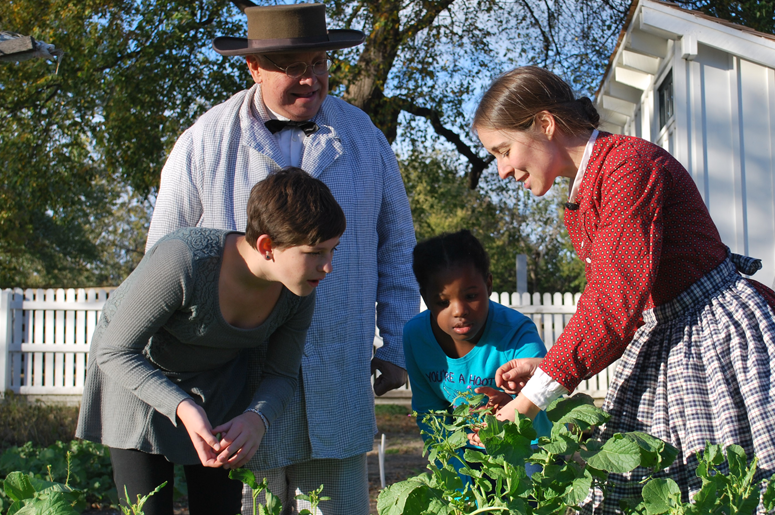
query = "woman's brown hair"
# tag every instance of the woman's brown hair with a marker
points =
(516, 97)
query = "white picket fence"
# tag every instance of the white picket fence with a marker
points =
(551, 313)
(45, 336)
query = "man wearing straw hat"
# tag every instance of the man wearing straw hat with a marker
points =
(287, 119)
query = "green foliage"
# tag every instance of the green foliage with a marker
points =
(32, 496)
(75, 134)
(36, 422)
(84, 466)
(313, 498)
(499, 481)
(133, 75)
(756, 14)
(571, 465)
(137, 508)
(273, 505)
(507, 219)
(728, 487)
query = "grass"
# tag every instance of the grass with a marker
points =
(36, 422)
(391, 409)
(395, 418)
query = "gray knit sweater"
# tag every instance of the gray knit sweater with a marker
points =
(162, 339)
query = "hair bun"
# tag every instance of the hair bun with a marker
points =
(589, 110)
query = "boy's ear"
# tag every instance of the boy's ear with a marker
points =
(264, 244)
(489, 284)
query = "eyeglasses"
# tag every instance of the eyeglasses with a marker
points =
(296, 70)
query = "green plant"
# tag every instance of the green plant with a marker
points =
(33, 496)
(273, 505)
(498, 481)
(85, 466)
(571, 464)
(137, 508)
(313, 498)
(721, 493)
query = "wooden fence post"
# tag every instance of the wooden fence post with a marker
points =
(6, 326)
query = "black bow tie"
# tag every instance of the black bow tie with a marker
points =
(278, 125)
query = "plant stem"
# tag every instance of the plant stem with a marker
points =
(484, 510)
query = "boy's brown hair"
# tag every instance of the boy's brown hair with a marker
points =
(293, 208)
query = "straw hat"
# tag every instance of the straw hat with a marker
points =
(287, 28)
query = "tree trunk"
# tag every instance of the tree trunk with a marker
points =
(365, 87)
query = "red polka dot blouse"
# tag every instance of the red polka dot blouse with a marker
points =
(645, 235)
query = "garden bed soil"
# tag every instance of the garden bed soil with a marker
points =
(403, 455)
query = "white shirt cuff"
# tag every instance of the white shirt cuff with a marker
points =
(542, 390)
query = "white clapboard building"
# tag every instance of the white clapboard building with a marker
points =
(704, 89)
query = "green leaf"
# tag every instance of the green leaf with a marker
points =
(617, 455)
(244, 475)
(474, 456)
(53, 504)
(707, 497)
(449, 478)
(563, 442)
(18, 487)
(516, 506)
(738, 461)
(16, 506)
(713, 454)
(562, 406)
(273, 504)
(768, 498)
(577, 491)
(655, 452)
(633, 506)
(457, 440)
(392, 499)
(661, 496)
(410, 497)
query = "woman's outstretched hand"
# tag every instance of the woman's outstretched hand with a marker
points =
(200, 431)
(513, 376)
(506, 410)
(496, 399)
(240, 438)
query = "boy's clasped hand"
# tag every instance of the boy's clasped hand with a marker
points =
(239, 437)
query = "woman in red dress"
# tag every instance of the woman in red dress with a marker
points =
(696, 338)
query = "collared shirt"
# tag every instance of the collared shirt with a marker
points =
(290, 141)
(574, 189)
(206, 182)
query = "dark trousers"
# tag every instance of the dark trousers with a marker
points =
(210, 491)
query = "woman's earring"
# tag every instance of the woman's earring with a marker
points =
(268, 256)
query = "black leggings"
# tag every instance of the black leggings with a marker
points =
(210, 491)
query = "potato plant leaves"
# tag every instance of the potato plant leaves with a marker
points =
(618, 455)
(661, 496)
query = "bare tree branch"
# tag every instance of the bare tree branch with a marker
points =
(432, 10)
(478, 164)
(544, 35)
(242, 4)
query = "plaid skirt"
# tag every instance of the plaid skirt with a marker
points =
(701, 369)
